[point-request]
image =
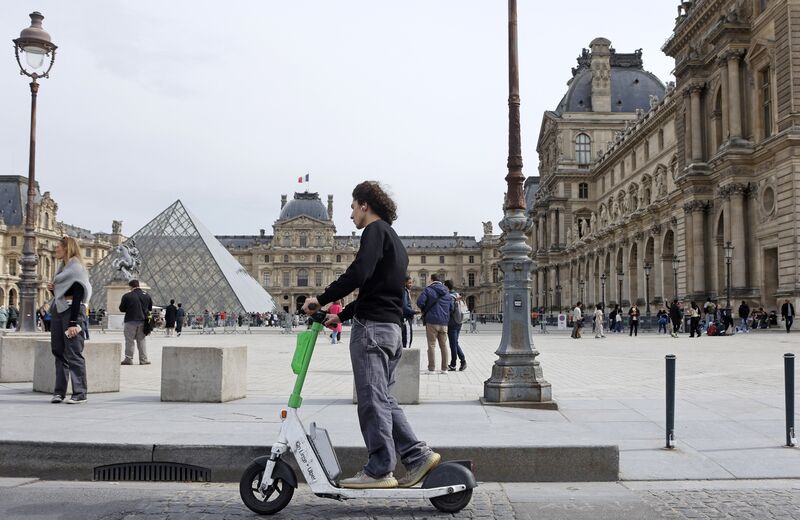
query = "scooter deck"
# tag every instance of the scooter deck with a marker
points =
(391, 493)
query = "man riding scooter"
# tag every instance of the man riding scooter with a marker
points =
(378, 273)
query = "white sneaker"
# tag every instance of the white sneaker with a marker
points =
(442, 372)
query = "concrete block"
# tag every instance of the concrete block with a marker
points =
(406, 378)
(102, 367)
(16, 356)
(203, 374)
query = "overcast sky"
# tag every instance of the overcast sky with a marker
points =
(225, 104)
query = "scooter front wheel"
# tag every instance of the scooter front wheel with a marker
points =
(276, 497)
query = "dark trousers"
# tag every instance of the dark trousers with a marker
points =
(789, 320)
(453, 331)
(407, 335)
(178, 325)
(634, 328)
(69, 355)
(375, 350)
(694, 325)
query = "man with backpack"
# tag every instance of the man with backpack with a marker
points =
(458, 315)
(436, 305)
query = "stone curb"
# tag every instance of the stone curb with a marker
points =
(76, 461)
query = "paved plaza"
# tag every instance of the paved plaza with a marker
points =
(729, 413)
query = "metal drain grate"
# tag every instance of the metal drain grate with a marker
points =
(151, 472)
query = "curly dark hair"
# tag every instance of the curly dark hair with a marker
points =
(372, 194)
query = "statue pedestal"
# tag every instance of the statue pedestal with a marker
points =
(114, 292)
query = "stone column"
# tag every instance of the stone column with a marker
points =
(688, 226)
(657, 276)
(553, 236)
(734, 98)
(542, 231)
(534, 236)
(738, 195)
(562, 232)
(696, 121)
(626, 268)
(641, 279)
(697, 259)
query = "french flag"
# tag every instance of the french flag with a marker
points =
(302, 179)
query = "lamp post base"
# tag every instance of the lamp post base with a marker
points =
(532, 405)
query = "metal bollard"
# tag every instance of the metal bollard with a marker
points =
(788, 371)
(670, 401)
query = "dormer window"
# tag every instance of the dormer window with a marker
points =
(583, 149)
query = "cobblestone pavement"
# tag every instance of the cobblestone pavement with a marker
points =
(756, 504)
(491, 501)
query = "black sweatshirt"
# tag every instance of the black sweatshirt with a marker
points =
(76, 293)
(378, 272)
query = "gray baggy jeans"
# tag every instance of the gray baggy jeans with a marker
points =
(69, 355)
(375, 350)
(134, 330)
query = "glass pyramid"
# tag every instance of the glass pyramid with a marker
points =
(182, 260)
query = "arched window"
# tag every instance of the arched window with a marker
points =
(302, 278)
(319, 259)
(583, 190)
(285, 258)
(47, 220)
(266, 258)
(338, 258)
(583, 149)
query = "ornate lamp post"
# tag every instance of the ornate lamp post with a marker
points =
(728, 259)
(40, 54)
(558, 298)
(516, 374)
(675, 264)
(620, 276)
(647, 270)
(603, 290)
(581, 285)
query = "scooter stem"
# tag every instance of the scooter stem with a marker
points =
(302, 359)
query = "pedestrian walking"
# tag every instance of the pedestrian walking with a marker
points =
(407, 326)
(577, 321)
(13, 315)
(136, 304)
(3, 317)
(787, 314)
(710, 309)
(675, 317)
(457, 317)
(633, 317)
(170, 315)
(180, 315)
(744, 313)
(70, 288)
(336, 332)
(436, 304)
(663, 318)
(618, 320)
(694, 320)
(598, 321)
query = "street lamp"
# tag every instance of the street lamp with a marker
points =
(620, 276)
(675, 263)
(582, 284)
(728, 259)
(603, 290)
(558, 297)
(35, 44)
(647, 270)
(516, 374)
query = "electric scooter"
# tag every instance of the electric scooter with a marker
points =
(268, 483)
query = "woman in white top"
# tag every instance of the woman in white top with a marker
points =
(598, 321)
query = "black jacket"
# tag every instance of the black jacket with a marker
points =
(170, 313)
(675, 313)
(135, 305)
(785, 308)
(744, 311)
(378, 272)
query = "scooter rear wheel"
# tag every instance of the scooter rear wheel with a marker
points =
(277, 496)
(452, 503)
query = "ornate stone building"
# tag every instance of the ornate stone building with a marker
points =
(646, 184)
(13, 199)
(304, 254)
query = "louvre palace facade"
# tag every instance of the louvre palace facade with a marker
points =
(304, 254)
(644, 186)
